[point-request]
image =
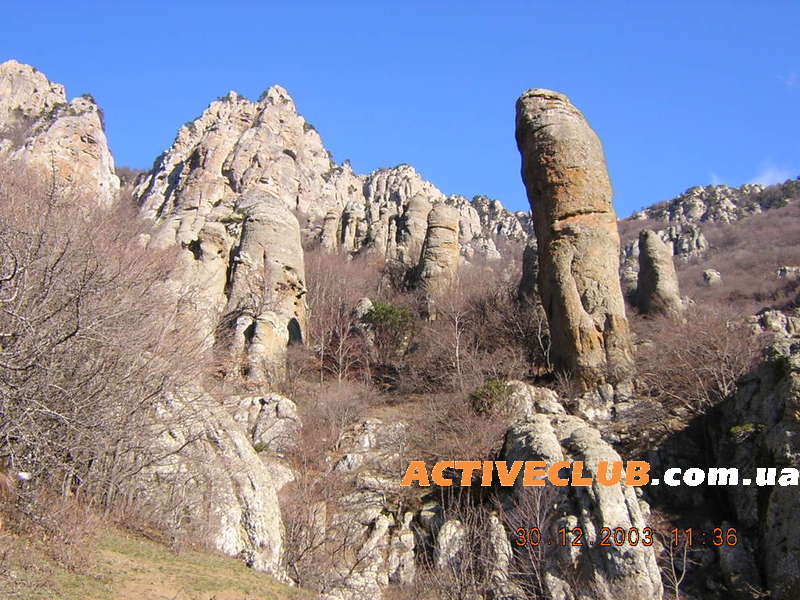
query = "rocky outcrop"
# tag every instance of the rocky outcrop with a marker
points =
(210, 477)
(788, 273)
(63, 142)
(498, 221)
(438, 263)
(657, 290)
(720, 203)
(760, 428)
(271, 422)
(626, 571)
(382, 545)
(523, 401)
(237, 146)
(234, 147)
(565, 176)
(266, 305)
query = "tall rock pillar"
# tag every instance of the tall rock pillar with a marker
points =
(438, 263)
(566, 179)
(657, 291)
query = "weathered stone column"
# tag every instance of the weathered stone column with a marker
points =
(266, 286)
(657, 290)
(565, 175)
(438, 262)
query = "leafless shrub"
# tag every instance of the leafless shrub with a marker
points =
(323, 535)
(674, 561)
(481, 332)
(532, 511)
(66, 527)
(695, 362)
(444, 426)
(90, 340)
(335, 285)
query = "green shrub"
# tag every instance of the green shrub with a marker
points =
(391, 329)
(388, 317)
(484, 400)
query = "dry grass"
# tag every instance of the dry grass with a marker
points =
(124, 566)
(748, 254)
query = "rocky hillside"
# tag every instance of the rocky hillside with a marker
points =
(685, 221)
(237, 146)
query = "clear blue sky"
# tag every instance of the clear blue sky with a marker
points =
(681, 94)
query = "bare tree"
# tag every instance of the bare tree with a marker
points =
(90, 339)
(335, 285)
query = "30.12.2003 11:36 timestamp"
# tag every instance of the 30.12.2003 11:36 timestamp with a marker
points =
(619, 536)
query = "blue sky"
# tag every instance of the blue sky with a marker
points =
(681, 94)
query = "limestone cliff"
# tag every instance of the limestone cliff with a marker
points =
(237, 146)
(62, 141)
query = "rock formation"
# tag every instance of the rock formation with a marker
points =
(210, 477)
(438, 263)
(686, 239)
(63, 142)
(763, 420)
(657, 289)
(266, 305)
(243, 275)
(237, 146)
(570, 195)
(528, 290)
(413, 228)
(626, 571)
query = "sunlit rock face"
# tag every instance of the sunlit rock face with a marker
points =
(565, 175)
(60, 141)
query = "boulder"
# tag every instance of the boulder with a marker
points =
(712, 277)
(567, 183)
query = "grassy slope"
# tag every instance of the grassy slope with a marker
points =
(125, 567)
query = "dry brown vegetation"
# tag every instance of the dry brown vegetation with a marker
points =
(90, 342)
(748, 254)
